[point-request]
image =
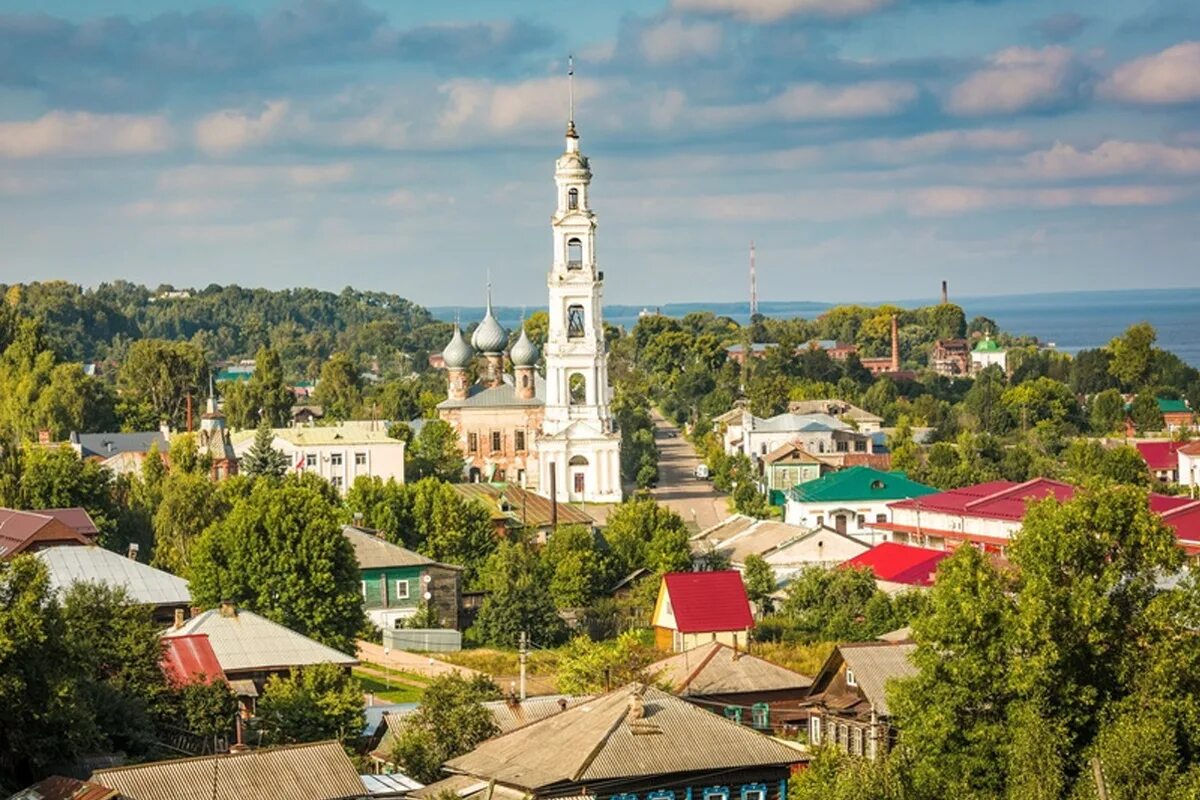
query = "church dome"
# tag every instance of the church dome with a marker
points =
(490, 336)
(524, 352)
(458, 353)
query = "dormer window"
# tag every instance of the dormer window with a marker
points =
(850, 679)
(574, 254)
(573, 199)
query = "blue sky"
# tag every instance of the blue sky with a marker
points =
(871, 148)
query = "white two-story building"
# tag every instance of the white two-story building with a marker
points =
(338, 453)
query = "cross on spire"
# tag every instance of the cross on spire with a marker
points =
(571, 96)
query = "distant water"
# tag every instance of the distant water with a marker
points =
(1072, 321)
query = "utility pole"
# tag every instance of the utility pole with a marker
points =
(524, 657)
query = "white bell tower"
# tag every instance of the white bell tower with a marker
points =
(578, 437)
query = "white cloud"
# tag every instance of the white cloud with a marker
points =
(1016, 79)
(1172, 76)
(775, 10)
(936, 201)
(500, 108)
(816, 101)
(1112, 157)
(940, 142)
(676, 40)
(224, 178)
(82, 134)
(227, 131)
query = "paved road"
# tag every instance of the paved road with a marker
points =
(695, 500)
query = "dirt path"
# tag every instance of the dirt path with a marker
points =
(409, 662)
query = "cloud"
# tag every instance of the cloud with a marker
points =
(1169, 77)
(676, 40)
(765, 11)
(936, 201)
(1018, 79)
(60, 133)
(497, 108)
(940, 142)
(809, 101)
(203, 178)
(1112, 157)
(1060, 27)
(224, 132)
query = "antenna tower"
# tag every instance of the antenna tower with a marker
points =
(753, 284)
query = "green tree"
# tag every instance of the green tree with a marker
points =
(984, 401)
(641, 533)
(589, 667)
(339, 390)
(57, 478)
(1106, 412)
(1132, 356)
(837, 605)
(577, 567)
(906, 454)
(280, 552)
(42, 716)
(313, 704)
(519, 599)
(435, 453)
(1089, 372)
(159, 376)
(189, 504)
(205, 709)
(449, 722)
(269, 395)
(262, 459)
(760, 581)
(768, 393)
(1145, 414)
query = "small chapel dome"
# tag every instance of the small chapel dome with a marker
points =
(524, 352)
(458, 353)
(490, 336)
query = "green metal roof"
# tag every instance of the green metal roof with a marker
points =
(987, 345)
(859, 483)
(1166, 406)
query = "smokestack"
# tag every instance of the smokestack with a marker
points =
(228, 609)
(945, 292)
(132, 552)
(895, 344)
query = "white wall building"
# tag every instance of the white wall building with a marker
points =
(819, 434)
(1189, 465)
(338, 453)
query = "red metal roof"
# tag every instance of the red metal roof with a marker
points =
(20, 530)
(1184, 519)
(189, 658)
(1160, 455)
(76, 518)
(708, 601)
(900, 563)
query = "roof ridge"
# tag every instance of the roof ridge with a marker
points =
(219, 756)
(713, 649)
(594, 753)
(1008, 491)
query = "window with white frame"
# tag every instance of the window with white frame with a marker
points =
(360, 459)
(336, 480)
(310, 460)
(754, 791)
(660, 794)
(814, 730)
(335, 460)
(715, 793)
(402, 590)
(850, 679)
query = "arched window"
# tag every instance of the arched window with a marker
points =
(575, 320)
(574, 254)
(573, 199)
(578, 461)
(577, 389)
(525, 381)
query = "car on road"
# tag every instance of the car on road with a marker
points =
(701, 472)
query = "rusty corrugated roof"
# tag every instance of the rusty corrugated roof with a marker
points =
(511, 502)
(187, 659)
(318, 771)
(60, 788)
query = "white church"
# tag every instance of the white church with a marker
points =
(555, 431)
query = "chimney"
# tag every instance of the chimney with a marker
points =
(165, 429)
(178, 618)
(132, 552)
(228, 609)
(895, 344)
(945, 292)
(562, 704)
(240, 746)
(637, 707)
(44, 436)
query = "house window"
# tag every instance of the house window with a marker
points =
(881, 517)
(760, 717)
(572, 199)
(820, 520)
(715, 793)
(856, 741)
(498, 476)
(336, 480)
(578, 483)
(860, 446)
(734, 713)
(814, 730)
(401, 590)
(519, 441)
(335, 460)
(577, 389)
(310, 460)
(575, 322)
(862, 520)
(496, 441)
(850, 679)
(574, 254)
(472, 442)
(360, 459)
(842, 447)
(754, 791)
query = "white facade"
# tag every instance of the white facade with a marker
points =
(851, 517)
(578, 441)
(339, 454)
(1189, 466)
(818, 434)
(931, 522)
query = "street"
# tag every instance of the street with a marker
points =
(700, 505)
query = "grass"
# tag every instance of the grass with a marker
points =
(394, 687)
(803, 658)
(491, 661)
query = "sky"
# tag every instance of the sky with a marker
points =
(870, 148)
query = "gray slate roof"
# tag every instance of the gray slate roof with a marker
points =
(145, 584)
(504, 395)
(373, 552)
(104, 445)
(716, 668)
(246, 641)
(876, 664)
(602, 739)
(319, 771)
(798, 422)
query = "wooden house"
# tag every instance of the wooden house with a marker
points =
(695, 608)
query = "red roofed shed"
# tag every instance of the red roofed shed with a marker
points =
(190, 658)
(695, 608)
(899, 563)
